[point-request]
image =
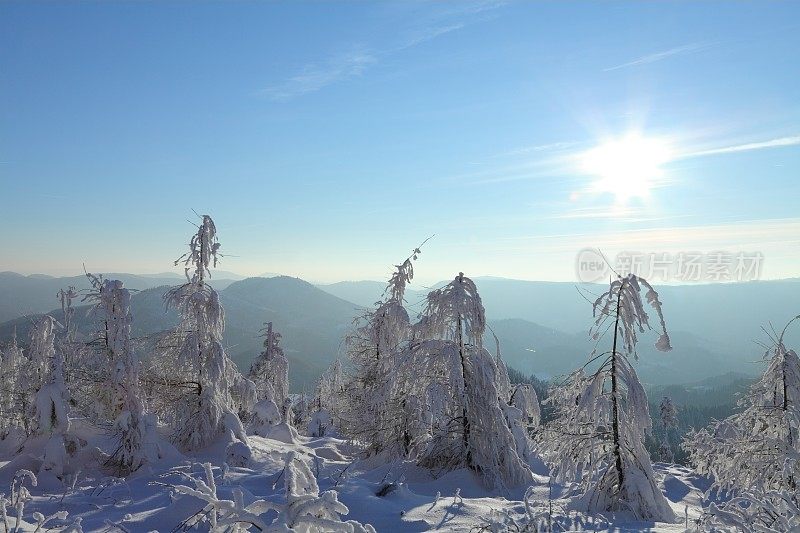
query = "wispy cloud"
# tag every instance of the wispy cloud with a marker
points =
(315, 76)
(744, 234)
(747, 147)
(658, 56)
(547, 147)
(422, 35)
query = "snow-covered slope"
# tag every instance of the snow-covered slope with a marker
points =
(412, 499)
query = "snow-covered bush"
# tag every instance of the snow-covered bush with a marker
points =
(205, 373)
(755, 454)
(16, 501)
(237, 453)
(749, 450)
(597, 437)
(320, 424)
(305, 510)
(770, 511)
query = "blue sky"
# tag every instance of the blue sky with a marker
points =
(328, 139)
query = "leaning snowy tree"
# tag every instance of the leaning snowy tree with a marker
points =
(755, 454)
(447, 368)
(123, 397)
(206, 408)
(668, 415)
(602, 418)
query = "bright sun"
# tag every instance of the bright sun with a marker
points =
(626, 167)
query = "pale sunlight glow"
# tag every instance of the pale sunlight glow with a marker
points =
(627, 167)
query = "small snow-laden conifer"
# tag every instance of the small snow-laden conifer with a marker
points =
(520, 409)
(330, 398)
(204, 373)
(112, 304)
(597, 437)
(243, 393)
(13, 396)
(373, 411)
(46, 379)
(755, 454)
(668, 415)
(298, 411)
(51, 400)
(67, 344)
(447, 363)
(270, 370)
(525, 399)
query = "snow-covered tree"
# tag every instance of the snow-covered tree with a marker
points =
(300, 411)
(329, 401)
(755, 454)
(602, 418)
(67, 344)
(270, 370)
(12, 394)
(45, 379)
(525, 399)
(447, 368)
(206, 409)
(125, 407)
(668, 416)
(374, 410)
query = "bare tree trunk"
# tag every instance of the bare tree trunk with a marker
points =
(615, 399)
(790, 437)
(465, 422)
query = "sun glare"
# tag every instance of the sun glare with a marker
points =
(626, 167)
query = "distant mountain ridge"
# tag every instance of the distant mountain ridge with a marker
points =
(541, 325)
(730, 314)
(311, 321)
(34, 294)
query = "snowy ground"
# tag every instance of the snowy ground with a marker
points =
(419, 502)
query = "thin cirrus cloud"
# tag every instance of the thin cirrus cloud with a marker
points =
(658, 56)
(747, 147)
(313, 77)
(756, 235)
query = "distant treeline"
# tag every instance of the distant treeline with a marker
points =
(698, 404)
